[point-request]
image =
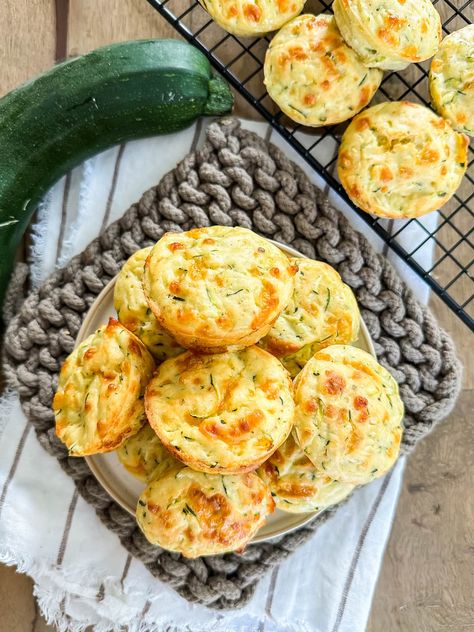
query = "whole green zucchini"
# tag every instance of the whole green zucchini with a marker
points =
(84, 105)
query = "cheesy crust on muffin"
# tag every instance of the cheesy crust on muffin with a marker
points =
(322, 311)
(99, 400)
(217, 288)
(221, 413)
(348, 415)
(143, 453)
(197, 514)
(452, 80)
(295, 483)
(252, 17)
(313, 76)
(133, 311)
(401, 160)
(389, 34)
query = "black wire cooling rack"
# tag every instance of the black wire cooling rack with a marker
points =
(438, 247)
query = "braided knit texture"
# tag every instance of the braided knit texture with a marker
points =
(236, 179)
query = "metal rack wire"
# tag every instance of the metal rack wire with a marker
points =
(449, 233)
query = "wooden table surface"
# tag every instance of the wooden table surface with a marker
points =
(427, 578)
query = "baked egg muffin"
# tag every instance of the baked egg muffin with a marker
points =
(252, 17)
(197, 514)
(400, 160)
(217, 288)
(389, 34)
(313, 76)
(322, 311)
(452, 80)
(143, 453)
(133, 311)
(348, 415)
(296, 485)
(99, 400)
(221, 413)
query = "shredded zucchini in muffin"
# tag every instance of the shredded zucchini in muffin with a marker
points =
(296, 485)
(322, 311)
(221, 413)
(143, 454)
(452, 79)
(348, 415)
(400, 159)
(133, 311)
(198, 514)
(313, 76)
(217, 288)
(252, 17)
(389, 34)
(99, 400)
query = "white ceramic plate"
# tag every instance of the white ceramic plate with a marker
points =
(125, 488)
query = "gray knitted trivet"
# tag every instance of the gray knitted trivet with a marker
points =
(236, 179)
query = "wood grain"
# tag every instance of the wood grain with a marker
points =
(27, 40)
(94, 23)
(426, 582)
(460, 334)
(427, 579)
(17, 606)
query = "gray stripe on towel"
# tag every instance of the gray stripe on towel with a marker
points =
(64, 206)
(196, 135)
(67, 527)
(113, 186)
(358, 550)
(126, 568)
(269, 599)
(16, 459)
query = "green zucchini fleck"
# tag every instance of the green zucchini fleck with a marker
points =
(187, 510)
(328, 299)
(297, 110)
(324, 339)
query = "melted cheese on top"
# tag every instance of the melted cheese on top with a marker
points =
(400, 160)
(99, 400)
(295, 483)
(348, 415)
(389, 34)
(322, 311)
(252, 17)
(143, 454)
(133, 311)
(452, 79)
(313, 76)
(217, 288)
(198, 514)
(221, 413)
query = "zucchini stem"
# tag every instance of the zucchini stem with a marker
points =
(220, 99)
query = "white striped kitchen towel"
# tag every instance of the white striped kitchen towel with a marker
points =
(82, 575)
